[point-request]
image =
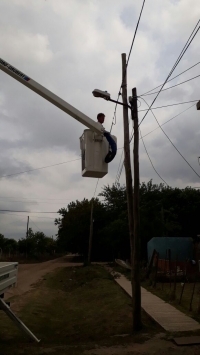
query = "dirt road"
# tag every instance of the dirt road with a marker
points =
(29, 274)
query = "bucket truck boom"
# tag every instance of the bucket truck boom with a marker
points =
(50, 96)
(94, 147)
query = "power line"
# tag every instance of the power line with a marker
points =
(120, 171)
(172, 142)
(168, 121)
(37, 199)
(162, 124)
(171, 78)
(35, 224)
(176, 104)
(43, 167)
(135, 33)
(134, 36)
(141, 137)
(96, 188)
(189, 41)
(31, 202)
(119, 167)
(173, 86)
(21, 215)
(119, 93)
(25, 211)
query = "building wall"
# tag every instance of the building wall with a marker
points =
(181, 248)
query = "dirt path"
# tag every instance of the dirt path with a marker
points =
(157, 345)
(29, 274)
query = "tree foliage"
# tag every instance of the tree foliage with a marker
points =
(164, 211)
(35, 244)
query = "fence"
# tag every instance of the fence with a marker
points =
(176, 281)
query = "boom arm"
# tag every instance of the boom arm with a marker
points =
(50, 96)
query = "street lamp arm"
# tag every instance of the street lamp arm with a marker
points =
(119, 103)
(106, 96)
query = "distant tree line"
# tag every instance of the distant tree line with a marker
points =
(164, 212)
(34, 245)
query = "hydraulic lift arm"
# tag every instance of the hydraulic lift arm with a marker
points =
(50, 96)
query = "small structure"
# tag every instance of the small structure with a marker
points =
(172, 251)
(181, 248)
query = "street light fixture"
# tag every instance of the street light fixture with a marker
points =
(198, 105)
(106, 96)
(103, 94)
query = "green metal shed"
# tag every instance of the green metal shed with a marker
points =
(181, 247)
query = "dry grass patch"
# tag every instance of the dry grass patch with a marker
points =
(71, 310)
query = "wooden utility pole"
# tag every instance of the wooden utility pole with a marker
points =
(91, 232)
(27, 234)
(127, 158)
(136, 290)
(133, 205)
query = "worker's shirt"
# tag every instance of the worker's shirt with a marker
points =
(102, 127)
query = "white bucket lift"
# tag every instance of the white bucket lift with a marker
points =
(94, 145)
(94, 148)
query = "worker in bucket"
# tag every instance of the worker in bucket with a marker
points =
(112, 144)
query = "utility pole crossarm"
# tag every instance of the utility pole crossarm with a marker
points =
(50, 96)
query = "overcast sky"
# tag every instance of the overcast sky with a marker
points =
(72, 47)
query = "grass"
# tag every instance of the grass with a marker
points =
(71, 310)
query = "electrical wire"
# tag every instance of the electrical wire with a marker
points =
(161, 124)
(168, 121)
(118, 167)
(135, 33)
(134, 36)
(171, 79)
(96, 188)
(21, 215)
(118, 175)
(124, 73)
(141, 137)
(121, 169)
(37, 199)
(176, 104)
(34, 224)
(189, 41)
(26, 211)
(44, 167)
(173, 86)
(31, 202)
(172, 142)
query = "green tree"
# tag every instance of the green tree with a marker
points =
(164, 211)
(74, 226)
